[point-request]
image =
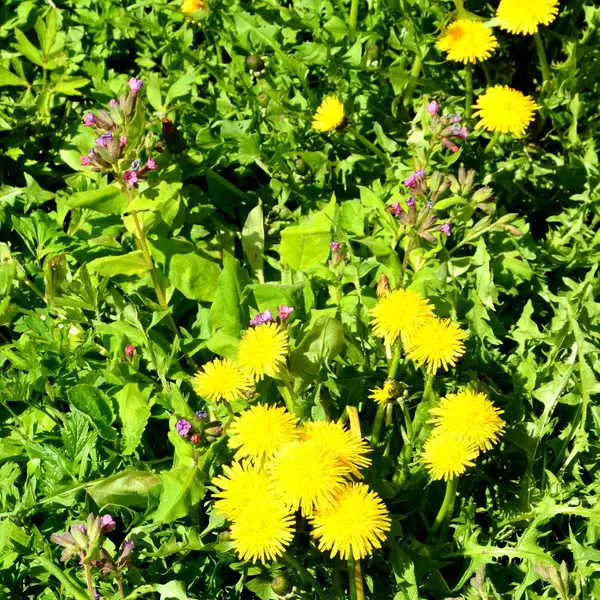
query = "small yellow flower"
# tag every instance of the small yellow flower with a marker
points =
(241, 484)
(382, 395)
(354, 525)
(307, 475)
(438, 343)
(261, 431)
(189, 7)
(350, 450)
(525, 18)
(467, 41)
(330, 115)
(221, 379)
(399, 314)
(263, 350)
(469, 415)
(505, 110)
(447, 455)
(263, 530)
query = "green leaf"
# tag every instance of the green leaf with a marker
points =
(69, 86)
(137, 127)
(181, 87)
(27, 49)
(7, 78)
(134, 412)
(108, 199)
(133, 263)
(320, 345)
(128, 488)
(182, 489)
(186, 269)
(174, 590)
(91, 401)
(253, 239)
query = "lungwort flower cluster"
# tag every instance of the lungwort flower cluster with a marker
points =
(281, 468)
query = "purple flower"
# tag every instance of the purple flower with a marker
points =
(183, 427)
(113, 103)
(107, 524)
(201, 415)
(96, 595)
(129, 350)
(127, 547)
(151, 165)
(445, 229)
(89, 119)
(412, 181)
(335, 246)
(81, 527)
(432, 108)
(460, 132)
(456, 118)
(285, 311)
(394, 209)
(130, 178)
(123, 141)
(135, 165)
(262, 318)
(86, 161)
(450, 145)
(135, 85)
(103, 139)
(410, 202)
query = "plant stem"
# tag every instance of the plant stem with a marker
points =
(468, 90)
(351, 580)
(303, 574)
(352, 20)
(445, 513)
(358, 581)
(392, 370)
(369, 145)
(492, 142)
(414, 74)
(428, 387)
(389, 412)
(120, 588)
(89, 581)
(542, 56)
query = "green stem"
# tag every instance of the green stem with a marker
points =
(428, 391)
(414, 74)
(287, 391)
(445, 513)
(358, 581)
(389, 411)
(89, 581)
(120, 588)
(468, 90)
(542, 56)
(351, 580)
(492, 142)
(303, 574)
(352, 19)
(70, 587)
(392, 370)
(370, 146)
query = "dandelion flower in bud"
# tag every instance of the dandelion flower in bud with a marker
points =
(469, 415)
(189, 7)
(221, 379)
(382, 395)
(263, 530)
(350, 450)
(447, 455)
(240, 485)
(399, 314)
(438, 343)
(261, 431)
(467, 41)
(263, 350)
(307, 475)
(355, 525)
(525, 18)
(330, 115)
(502, 109)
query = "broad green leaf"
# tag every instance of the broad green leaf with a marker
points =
(7, 78)
(27, 49)
(134, 410)
(91, 401)
(128, 488)
(253, 240)
(182, 489)
(108, 199)
(181, 87)
(132, 263)
(320, 345)
(70, 86)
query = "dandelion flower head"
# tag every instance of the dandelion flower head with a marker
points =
(354, 525)
(505, 110)
(447, 455)
(400, 314)
(438, 343)
(382, 395)
(262, 350)
(330, 115)
(469, 415)
(525, 18)
(350, 450)
(467, 41)
(189, 7)
(261, 431)
(221, 379)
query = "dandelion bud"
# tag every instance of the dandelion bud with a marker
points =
(395, 388)
(223, 536)
(383, 286)
(254, 63)
(373, 54)
(302, 166)
(281, 586)
(263, 99)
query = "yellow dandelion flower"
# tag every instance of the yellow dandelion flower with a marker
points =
(263, 531)
(262, 350)
(330, 114)
(221, 379)
(350, 450)
(438, 343)
(400, 313)
(382, 395)
(241, 485)
(502, 109)
(467, 41)
(307, 475)
(354, 526)
(469, 415)
(447, 455)
(189, 7)
(525, 18)
(261, 431)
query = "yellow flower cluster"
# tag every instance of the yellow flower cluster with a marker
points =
(281, 468)
(466, 424)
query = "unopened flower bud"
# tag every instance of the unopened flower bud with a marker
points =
(281, 585)
(213, 431)
(107, 524)
(373, 52)
(383, 286)
(223, 536)
(194, 438)
(254, 63)
(482, 194)
(263, 99)
(302, 166)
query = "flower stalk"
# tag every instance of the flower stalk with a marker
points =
(539, 46)
(304, 574)
(445, 513)
(492, 142)
(352, 20)
(468, 90)
(379, 415)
